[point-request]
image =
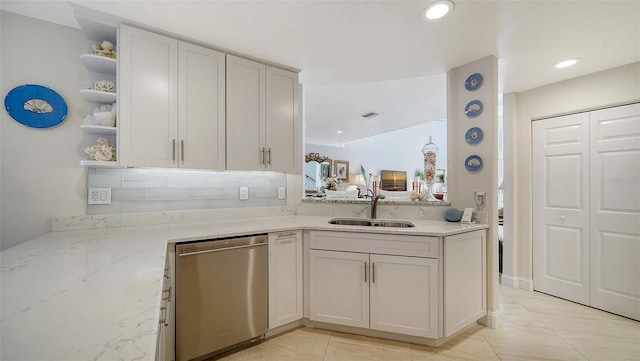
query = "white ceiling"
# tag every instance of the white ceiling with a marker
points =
(380, 56)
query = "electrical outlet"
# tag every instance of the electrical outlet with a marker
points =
(479, 197)
(244, 193)
(99, 196)
(282, 193)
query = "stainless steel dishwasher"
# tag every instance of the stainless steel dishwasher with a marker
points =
(221, 294)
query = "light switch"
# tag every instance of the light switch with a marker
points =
(282, 193)
(244, 193)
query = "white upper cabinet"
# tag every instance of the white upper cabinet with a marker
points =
(282, 125)
(148, 79)
(201, 105)
(172, 103)
(263, 131)
(245, 114)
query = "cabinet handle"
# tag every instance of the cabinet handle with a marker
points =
(282, 235)
(365, 272)
(373, 272)
(166, 273)
(173, 157)
(182, 150)
(262, 158)
(269, 157)
(163, 319)
(168, 292)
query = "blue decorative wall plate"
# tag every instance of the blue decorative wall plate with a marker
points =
(473, 82)
(473, 108)
(474, 135)
(473, 163)
(36, 106)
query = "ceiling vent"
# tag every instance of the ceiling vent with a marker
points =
(369, 115)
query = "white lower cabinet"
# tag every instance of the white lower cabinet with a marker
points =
(392, 293)
(465, 280)
(404, 295)
(339, 291)
(285, 278)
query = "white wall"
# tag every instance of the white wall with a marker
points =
(41, 177)
(602, 89)
(462, 183)
(397, 150)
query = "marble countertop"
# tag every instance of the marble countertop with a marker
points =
(95, 294)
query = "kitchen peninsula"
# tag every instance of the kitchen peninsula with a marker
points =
(92, 289)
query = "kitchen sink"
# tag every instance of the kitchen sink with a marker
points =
(371, 222)
(397, 224)
(351, 222)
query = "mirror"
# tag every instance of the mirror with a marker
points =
(316, 169)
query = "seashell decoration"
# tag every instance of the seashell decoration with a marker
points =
(103, 151)
(102, 85)
(473, 162)
(473, 108)
(105, 49)
(37, 106)
(415, 196)
(104, 115)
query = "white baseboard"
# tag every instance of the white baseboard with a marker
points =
(493, 319)
(516, 282)
(526, 284)
(509, 281)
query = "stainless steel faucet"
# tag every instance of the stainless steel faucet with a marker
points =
(374, 205)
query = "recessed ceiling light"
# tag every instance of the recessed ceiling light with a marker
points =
(567, 63)
(438, 9)
(339, 132)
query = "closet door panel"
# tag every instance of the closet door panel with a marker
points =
(615, 210)
(561, 206)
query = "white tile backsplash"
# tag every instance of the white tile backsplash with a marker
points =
(157, 190)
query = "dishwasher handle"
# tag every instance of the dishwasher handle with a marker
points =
(222, 249)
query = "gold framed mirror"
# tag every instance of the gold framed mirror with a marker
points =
(317, 169)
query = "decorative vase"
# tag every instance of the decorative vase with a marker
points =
(430, 151)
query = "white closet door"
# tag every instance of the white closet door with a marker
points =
(561, 206)
(615, 210)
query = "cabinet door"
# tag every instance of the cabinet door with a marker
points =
(246, 148)
(285, 278)
(201, 107)
(465, 281)
(339, 289)
(148, 99)
(282, 121)
(404, 295)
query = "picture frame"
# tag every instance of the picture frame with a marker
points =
(341, 170)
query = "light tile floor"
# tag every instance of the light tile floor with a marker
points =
(535, 327)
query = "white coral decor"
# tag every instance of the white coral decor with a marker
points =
(103, 151)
